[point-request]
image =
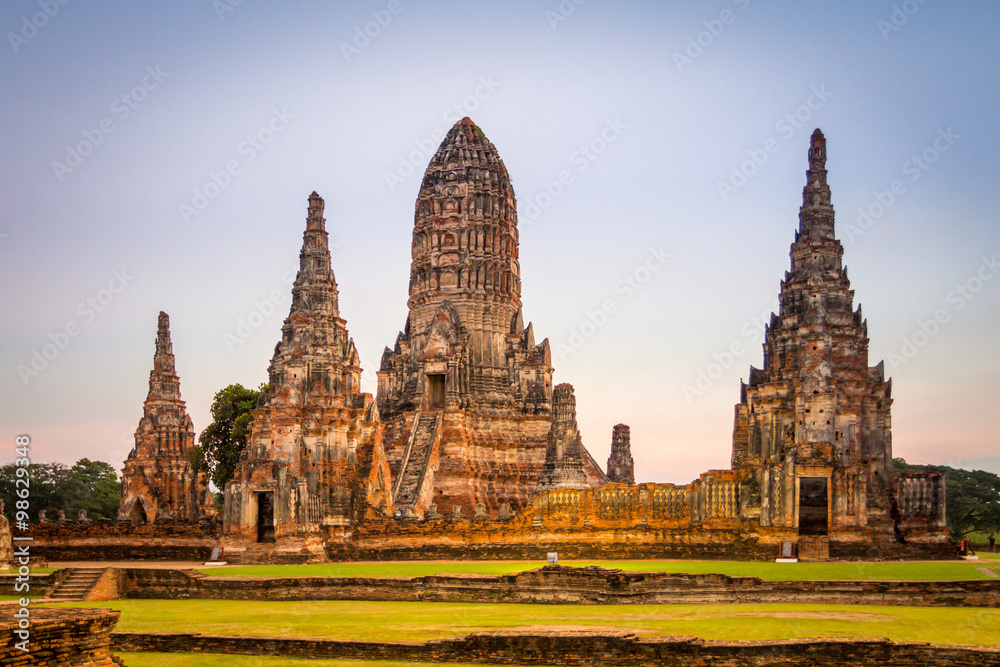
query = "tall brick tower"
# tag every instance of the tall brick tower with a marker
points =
(158, 481)
(813, 426)
(314, 454)
(465, 392)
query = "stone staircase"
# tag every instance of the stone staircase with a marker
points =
(814, 547)
(77, 584)
(415, 459)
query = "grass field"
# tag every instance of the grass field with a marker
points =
(210, 660)
(898, 571)
(416, 621)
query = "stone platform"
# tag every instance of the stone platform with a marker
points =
(579, 648)
(559, 585)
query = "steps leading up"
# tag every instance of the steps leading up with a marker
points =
(77, 584)
(417, 457)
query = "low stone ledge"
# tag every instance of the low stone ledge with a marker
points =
(561, 585)
(577, 648)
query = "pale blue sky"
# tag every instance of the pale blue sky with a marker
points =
(666, 123)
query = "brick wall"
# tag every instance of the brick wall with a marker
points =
(63, 637)
(106, 540)
(558, 584)
(579, 648)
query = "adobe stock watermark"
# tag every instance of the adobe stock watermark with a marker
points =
(260, 312)
(786, 126)
(626, 288)
(87, 311)
(696, 44)
(408, 164)
(957, 298)
(30, 26)
(752, 332)
(585, 155)
(364, 34)
(914, 168)
(121, 107)
(562, 12)
(247, 151)
(223, 7)
(898, 17)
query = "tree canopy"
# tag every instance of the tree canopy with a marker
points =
(222, 441)
(89, 485)
(972, 497)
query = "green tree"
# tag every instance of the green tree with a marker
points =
(97, 488)
(225, 438)
(972, 497)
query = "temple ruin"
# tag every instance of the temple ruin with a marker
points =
(466, 392)
(812, 429)
(158, 481)
(469, 451)
(811, 457)
(314, 455)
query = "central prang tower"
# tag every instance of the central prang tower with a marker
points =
(465, 392)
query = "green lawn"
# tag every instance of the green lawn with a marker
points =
(215, 660)
(416, 621)
(900, 571)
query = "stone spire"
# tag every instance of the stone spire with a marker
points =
(315, 362)
(621, 468)
(564, 453)
(158, 481)
(315, 288)
(816, 214)
(314, 453)
(163, 406)
(816, 399)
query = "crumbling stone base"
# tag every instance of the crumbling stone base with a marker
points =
(63, 637)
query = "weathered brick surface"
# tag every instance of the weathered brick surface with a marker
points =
(158, 481)
(580, 648)
(107, 540)
(63, 637)
(561, 585)
(465, 359)
(314, 454)
(617, 521)
(812, 431)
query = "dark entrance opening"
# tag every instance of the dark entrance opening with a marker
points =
(138, 514)
(435, 392)
(812, 506)
(265, 516)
